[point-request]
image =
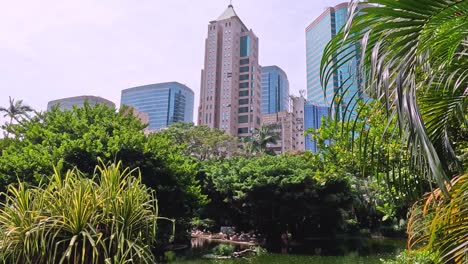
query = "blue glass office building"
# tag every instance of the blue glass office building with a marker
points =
(275, 90)
(313, 115)
(165, 103)
(344, 79)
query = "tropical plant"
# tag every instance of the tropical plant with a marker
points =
(265, 136)
(80, 136)
(413, 58)
(14, 111)
(438, 222)
(111, 218)
(258, 144)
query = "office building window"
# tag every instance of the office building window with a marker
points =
(244, 69)
(243, 101)
(243, 119)
(244, 85)
(243, 130)
(243, 110)
(244, 93)
(244, 61)
(245, 46)
(243, 77)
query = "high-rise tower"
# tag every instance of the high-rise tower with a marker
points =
(344, 80)
(230, 91)
(275, 90)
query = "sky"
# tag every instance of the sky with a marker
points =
(52, 49)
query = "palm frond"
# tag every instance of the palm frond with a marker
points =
(410, 51)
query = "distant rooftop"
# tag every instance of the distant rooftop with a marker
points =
(69, 102)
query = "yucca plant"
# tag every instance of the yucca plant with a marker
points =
(111, 218)
(413, 59)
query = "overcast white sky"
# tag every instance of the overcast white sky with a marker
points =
(51, 49)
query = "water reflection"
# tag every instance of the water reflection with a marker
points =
(345, 246)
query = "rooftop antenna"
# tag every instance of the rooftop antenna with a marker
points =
(230, 3)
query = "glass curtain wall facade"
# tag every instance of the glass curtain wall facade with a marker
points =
(165, 103)
(343, 80)
(275, 90)
(313, 115)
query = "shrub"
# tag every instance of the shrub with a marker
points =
(419, 257)
(110, 218)
(223, 250)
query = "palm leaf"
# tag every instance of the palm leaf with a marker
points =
(411, 51)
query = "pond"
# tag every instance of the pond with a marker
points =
(349, 250)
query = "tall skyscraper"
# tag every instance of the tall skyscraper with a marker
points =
(313, 115)
(275, 90)
(230, 91)
(78, 101)
(165, 103)
(318, 33)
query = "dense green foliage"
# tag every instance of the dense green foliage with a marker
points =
(223, 250)
(78, 137)
(110, 218)
(414, 61)
(423, 257)
(275, 194)
(373, 179)
(202, 142)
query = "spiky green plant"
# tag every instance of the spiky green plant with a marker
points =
(111, 218)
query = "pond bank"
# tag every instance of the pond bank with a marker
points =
(235, 239)
(345, 250)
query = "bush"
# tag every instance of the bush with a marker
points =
(110, 218)
(419, 257)
(223, 250)
(203, 224)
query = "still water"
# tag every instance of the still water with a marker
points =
(314, 251)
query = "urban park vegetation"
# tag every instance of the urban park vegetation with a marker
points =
(414, 61)
(77, 138)
(109, 218)
(392, 158)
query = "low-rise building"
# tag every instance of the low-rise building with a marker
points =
(78, 101)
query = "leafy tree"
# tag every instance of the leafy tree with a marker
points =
(340, 147)
(272, 194)
(414, 60)
(202, 142)
(79, 137)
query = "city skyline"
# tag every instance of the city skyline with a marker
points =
(55, 50)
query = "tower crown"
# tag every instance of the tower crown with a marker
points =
(228, 13)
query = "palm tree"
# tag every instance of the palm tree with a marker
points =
(15, 110)
(414, 59)
(263, 137)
